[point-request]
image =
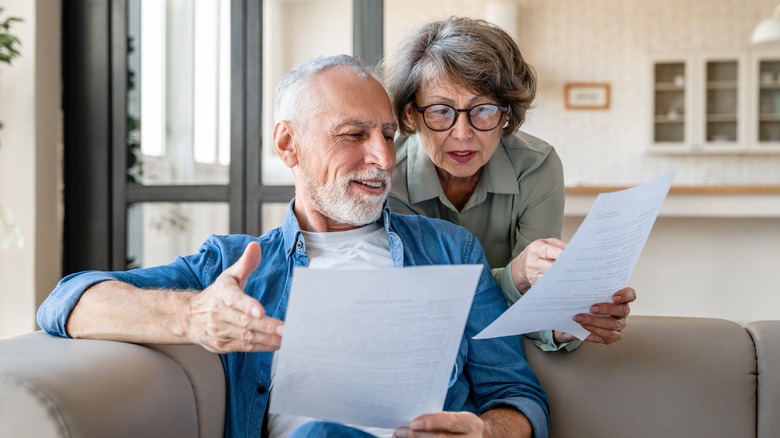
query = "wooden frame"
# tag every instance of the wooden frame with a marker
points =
(595, 95)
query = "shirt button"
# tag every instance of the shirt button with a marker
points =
(299, 245)
(261, 389)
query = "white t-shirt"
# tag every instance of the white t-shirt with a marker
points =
(362, 248)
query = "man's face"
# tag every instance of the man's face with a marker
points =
(347, 153)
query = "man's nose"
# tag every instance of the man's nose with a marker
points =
(381, 153)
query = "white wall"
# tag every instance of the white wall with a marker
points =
(694, 264)
(30, 163)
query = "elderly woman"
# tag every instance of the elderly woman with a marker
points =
(460, 89)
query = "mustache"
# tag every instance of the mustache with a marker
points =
(372, 173)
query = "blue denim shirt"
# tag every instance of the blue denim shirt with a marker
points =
(486, 373)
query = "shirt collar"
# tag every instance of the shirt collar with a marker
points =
(500, 174)
(291, 230)
(423, 182)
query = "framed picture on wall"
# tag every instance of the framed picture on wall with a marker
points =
(581, 95)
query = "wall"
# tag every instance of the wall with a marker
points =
(31, 164)
(719, 264)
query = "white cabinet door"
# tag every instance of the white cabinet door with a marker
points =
(764, 107)
(700, 103)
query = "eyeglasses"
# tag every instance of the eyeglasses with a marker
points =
(441, 117)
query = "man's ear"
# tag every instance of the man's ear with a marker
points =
(285, 144)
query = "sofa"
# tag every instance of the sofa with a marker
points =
(669, 376)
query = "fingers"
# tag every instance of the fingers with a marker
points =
(603, 329)
(529, 266)
(607, 321)
(239, 272)
(442, 424)
(233, 297)
(602, 336)
(626, 295)
(546, 249)
(620, 306)
(541, 254)
(247, 264)
(613, 310)
(224, 318)
(561, 337)
(221, 328)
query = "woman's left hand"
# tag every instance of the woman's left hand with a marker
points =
(607, 323)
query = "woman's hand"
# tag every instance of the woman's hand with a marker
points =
(606, 322)
(529, 266)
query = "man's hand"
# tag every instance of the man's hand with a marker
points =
(224, 319)
(608, 322)
(529, 266)
(441, 424)
(504, 422)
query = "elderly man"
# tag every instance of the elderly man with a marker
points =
(335, 131)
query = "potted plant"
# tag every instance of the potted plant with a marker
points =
(9, 49)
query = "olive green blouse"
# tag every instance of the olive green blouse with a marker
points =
(518, 199)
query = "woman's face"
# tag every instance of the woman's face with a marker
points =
(462, 150)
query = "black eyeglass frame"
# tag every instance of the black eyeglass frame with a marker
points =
(421, 110)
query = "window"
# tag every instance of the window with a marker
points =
(167, 114)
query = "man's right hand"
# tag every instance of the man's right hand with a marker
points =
(224, 319)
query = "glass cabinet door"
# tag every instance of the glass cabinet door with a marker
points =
(721, 102)
(768, 110)
(669, 96)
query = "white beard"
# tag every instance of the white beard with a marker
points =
(334, 200)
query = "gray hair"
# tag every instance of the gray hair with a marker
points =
(468, 52)
(290, 97)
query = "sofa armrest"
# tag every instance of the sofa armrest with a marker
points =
(691, 377)
(766, 336)
(59, 387)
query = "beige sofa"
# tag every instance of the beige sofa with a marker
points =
(673, 377)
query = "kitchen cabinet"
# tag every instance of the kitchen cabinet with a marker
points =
(715, 103)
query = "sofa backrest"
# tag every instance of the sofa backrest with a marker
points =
(674, 377)
(766, 336)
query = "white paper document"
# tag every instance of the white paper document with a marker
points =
(371, 347)
(596, 263)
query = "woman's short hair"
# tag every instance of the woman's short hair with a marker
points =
(468, 52)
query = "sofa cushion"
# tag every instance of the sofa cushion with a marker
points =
(205, 373)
